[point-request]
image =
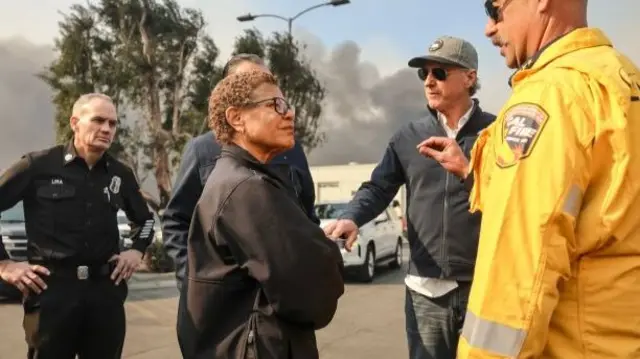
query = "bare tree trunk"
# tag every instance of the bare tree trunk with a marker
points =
(151, 201)
(159, 137)
(162, 173)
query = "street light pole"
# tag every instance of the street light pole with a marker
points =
(290, 20)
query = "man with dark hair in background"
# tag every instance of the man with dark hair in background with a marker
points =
(198, 160)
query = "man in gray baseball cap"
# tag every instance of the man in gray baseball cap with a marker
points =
(442, 234)
(436, 305)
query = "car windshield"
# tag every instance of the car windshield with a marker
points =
(13, 215)
(330, 210)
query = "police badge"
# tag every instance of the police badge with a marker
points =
(114, 187)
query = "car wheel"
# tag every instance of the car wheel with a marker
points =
(368, 268)
(398, 257)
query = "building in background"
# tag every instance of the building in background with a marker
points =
(337, 183)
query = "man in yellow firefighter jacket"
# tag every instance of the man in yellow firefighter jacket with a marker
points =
(557, 178)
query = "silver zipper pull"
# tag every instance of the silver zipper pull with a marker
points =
(250, 337)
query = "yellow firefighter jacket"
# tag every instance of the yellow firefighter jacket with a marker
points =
(557, 178)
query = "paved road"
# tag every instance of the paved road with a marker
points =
(369, 324)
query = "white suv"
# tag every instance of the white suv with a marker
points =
(14, 233)
(379, 241)
(14, 239)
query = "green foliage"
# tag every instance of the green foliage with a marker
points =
(157, 260)
(77, 71)
(205, 76)
(154, 59)
(250, 42)
(156, 62)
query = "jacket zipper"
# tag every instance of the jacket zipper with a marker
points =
(252, 353)
(443, 248)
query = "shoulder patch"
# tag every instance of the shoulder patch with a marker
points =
(521, 125)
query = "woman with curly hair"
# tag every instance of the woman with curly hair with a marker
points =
(262, 276)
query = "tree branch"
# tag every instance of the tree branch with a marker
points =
(177, 89)
(151, 201)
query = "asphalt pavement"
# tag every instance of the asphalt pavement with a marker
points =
(369, 323)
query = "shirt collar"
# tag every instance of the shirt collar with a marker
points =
(463, 120)
(574, 40)
(70, 155)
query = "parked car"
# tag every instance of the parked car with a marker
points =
(401, 217)
(124, 229)
(379, 242)
(14, 239)
(14, 233)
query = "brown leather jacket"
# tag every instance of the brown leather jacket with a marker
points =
(261, 276)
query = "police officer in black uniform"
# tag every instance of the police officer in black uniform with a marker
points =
(75, 280)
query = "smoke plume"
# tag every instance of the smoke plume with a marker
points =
(362, 108)
(26, 112)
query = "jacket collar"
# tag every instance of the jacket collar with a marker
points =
(275, 170)
(240, 153)
(475, 108)
(473, 125)
(574, 40)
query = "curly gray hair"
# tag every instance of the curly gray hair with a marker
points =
(234, 90)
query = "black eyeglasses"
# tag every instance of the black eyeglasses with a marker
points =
(280, 105)
(439, 73)
(495, 12)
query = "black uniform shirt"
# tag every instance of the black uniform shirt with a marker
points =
(70, 210)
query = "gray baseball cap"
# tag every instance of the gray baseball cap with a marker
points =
(449, 50)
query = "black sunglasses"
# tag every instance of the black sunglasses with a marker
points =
(280, 105)
(495, 12)
(439, 73)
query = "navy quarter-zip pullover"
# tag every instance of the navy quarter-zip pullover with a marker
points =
(442, 234)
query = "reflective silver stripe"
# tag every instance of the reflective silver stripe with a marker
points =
(146, 229)
(492, 337)
(573, 201)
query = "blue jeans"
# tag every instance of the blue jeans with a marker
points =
(434, 324)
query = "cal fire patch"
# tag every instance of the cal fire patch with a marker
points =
(521, 126)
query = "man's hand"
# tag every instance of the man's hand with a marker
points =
(24, 276)
(342, 229)
(447, 152)
(128, 263)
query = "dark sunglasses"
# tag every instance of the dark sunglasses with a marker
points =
(280, 105)
(439, 73)
(495, 12)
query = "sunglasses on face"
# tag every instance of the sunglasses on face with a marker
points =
(280, 105)
(495, 12)
(438, 73)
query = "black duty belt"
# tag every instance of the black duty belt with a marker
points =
(79, 272)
